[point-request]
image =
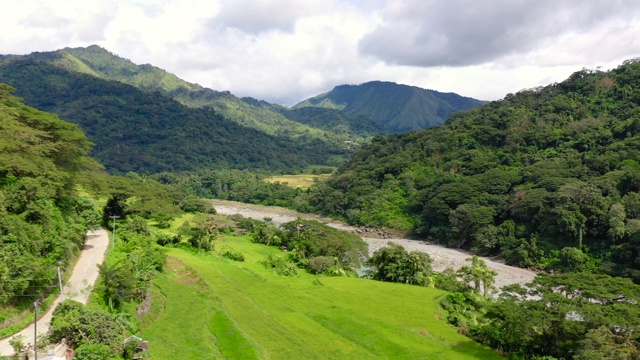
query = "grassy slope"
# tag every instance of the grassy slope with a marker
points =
(297, 181)
(210, 305)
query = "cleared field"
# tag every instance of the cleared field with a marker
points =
(302, 181)
(206, 306)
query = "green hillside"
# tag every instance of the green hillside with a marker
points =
(333, 120)
(211, 307)
(546, 178)
(96, 61)
(397, 108)
(42, 220)
(148, 133)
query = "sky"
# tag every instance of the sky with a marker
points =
(284, 51)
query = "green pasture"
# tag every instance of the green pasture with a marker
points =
(302, 181)
(206, 306)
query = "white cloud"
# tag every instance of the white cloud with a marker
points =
(286, 50)
(469, 32)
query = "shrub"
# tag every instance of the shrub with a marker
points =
(320, 264)
(164, 240)
(93, 352)
(282, 266)
(233, 255)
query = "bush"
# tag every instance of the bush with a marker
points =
(233, 255)
(282, 266)
(82, 326)
(164, 240)
(93, 352)
(320, 264)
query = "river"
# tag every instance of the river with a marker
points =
(442, 257)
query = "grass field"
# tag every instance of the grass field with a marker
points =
(206, 307)
(297, 181)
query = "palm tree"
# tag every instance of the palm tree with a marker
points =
(478, 273)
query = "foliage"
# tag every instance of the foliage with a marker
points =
(203, 229)
(282, 265)
(17, 342)
(478, 273)
(232, 255)
(310, 238)
(545, 178)
(321, 264)
(563, 316)
(80, 326)
(393, 263)
(465, 310)
(43, 220)
(92, 351)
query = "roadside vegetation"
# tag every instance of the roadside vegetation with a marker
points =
(43, 221)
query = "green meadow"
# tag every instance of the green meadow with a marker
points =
(302, 181)
(206, 306)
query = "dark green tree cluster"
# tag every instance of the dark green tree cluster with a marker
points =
(312, 245)
(134, 260)
(135, 195)
(81, 326)
(567, 316)
(235, 185)
(94, 334)
(393, 263)
(135, 130)
(545, 178)
(42, 219)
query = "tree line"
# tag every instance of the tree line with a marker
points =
(547, 178)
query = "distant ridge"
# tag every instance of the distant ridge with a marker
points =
(398, 108)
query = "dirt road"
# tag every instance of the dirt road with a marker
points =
(79, 286)
(441, 256)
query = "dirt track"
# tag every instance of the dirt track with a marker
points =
(442, 257)
(79, 286)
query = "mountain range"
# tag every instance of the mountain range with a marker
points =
(143, 118)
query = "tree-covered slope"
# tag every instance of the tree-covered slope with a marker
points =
(42, 220)
(98, 62)
(396, 107)
(335, 121)
(548, 177)
(148, 132)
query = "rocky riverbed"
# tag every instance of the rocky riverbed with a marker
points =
(441, 256)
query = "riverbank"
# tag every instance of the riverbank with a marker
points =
(441, 256)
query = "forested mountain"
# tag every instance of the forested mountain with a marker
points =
(397, 108)
(547, 178)
(147, 132)
(98, 62)
(335, 121)
(42, 221)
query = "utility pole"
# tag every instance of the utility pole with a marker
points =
(36, 304)
(113, 239)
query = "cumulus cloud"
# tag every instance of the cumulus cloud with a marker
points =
(255, 17)
(283, 51)
(468, 32)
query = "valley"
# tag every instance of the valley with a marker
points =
(442, 257)
(537, 194)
